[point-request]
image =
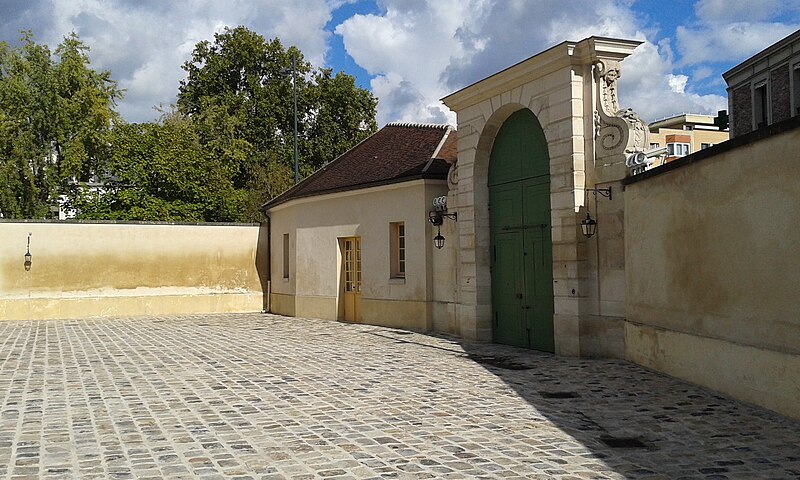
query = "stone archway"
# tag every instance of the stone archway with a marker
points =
(560, 88)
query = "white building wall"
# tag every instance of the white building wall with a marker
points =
(315, 226)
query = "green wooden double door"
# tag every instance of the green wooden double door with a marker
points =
(521, 241)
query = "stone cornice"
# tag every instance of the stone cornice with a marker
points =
(560, 56)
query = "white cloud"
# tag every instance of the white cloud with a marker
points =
(732, 42)
(677, 83)
(144, 42)
(423, 50)
(407, 48)
(702, 73)
(650, 87)
(733, 11)
(417, 50)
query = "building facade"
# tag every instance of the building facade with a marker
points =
(353, 242)
(684, 134)
(765, 88)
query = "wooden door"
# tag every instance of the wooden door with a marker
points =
(351, 268)
(538, 265)
(521, 239)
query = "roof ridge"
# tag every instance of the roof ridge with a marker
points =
(417, 125)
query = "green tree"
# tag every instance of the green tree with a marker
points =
(161, 172)
(55, 117)
(240, 88)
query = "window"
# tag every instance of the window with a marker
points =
(760, 105)
(654, 145)
(796, 80)
(286, 255)
(677, 149)
(703, 146)
(397, 245)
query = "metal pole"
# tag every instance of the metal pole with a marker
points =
(294, 89)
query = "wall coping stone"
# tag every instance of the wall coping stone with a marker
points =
(126, 222)
(718, 149)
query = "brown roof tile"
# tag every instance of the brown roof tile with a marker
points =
(396, 153)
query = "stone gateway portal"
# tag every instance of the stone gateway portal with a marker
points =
(521, 253)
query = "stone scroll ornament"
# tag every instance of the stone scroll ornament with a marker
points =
(618, 131)
(452, 176)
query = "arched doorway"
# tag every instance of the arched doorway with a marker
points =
(521, 242)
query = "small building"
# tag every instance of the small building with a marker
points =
(765, 88)
(685, 134)
(352, 241)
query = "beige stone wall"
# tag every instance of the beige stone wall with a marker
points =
(315, 226)
(713, 266)
(110, 269)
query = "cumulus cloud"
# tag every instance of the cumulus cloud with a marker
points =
(145, 42)
(407, 47)
(419, 53)
(732, 30)
(728, 43)
(650, 87)
(415, 51)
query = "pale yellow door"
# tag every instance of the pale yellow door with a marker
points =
(352, 279)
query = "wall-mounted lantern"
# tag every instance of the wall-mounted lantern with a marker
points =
(437, 216)
(28, 256)
(588, 224)
(438, 240)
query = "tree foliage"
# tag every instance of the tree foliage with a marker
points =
(161, 172)
(55, 118)
(227, 149)
(240, 88)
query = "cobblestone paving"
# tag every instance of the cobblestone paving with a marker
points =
(260, 396)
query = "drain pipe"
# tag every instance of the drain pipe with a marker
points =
(268, 293)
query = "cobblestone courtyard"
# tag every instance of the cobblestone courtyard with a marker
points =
(262, 396)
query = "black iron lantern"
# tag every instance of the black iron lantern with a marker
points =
(28, 256)
(437, 216)
(589, 226)
(438, 240)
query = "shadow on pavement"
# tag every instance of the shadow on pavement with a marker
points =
(645, 424)
(640, 423)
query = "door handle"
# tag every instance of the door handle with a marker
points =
(526, 307)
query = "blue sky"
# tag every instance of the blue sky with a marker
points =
(410, 53)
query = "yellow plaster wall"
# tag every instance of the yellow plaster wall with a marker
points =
(397, 313)
(712, 260)
(282, 304)
(316, 307)
(105, 269)
(761, 376)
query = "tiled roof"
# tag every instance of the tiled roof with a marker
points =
(396, 153)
